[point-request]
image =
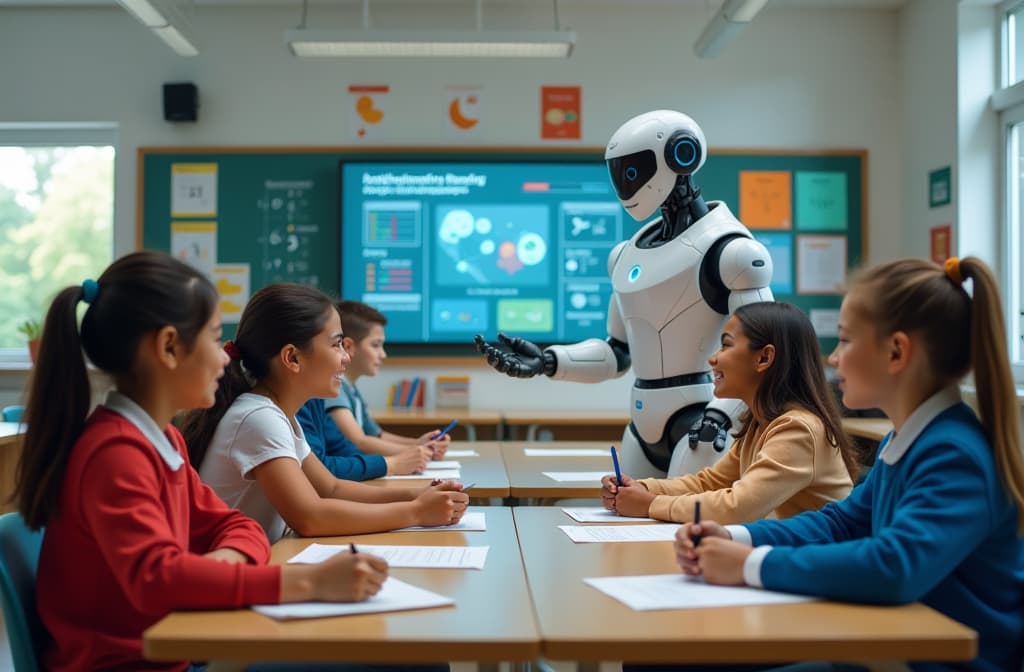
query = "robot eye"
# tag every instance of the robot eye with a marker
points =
(631, 173)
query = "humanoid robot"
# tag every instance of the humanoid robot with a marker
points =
(673, 285)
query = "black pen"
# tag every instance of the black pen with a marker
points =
(696, 521)
(352, 547)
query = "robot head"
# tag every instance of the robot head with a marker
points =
(647, 155)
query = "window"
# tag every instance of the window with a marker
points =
(56, 219)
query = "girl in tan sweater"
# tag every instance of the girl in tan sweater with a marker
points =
(790, 454)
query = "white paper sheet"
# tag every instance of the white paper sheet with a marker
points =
(473, 521)
(444, 474)
(576, 476)
(597, 514)
(605, 533)
(435, 465)
(394, 595)
(675, 591)
(568, 452)
(422, 557)
(461, 453)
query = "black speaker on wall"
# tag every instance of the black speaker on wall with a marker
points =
(181, 101)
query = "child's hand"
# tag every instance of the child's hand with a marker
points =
(439, 446)
(349, 577)
(609, 487)
(632, 498)
(228, 555)
(441, 505)
(686, 550)
(411, 460)
(722, 561)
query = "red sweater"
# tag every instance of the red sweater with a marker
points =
(125, 550)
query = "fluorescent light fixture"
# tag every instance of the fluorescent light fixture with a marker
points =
(162, 18)
(175, 40)
(727, 23)
(374, 43)
(145, 12)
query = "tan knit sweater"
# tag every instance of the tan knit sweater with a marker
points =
(784, 468)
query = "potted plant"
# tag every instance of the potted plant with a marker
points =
(32, 329)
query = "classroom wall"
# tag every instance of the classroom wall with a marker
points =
(99, 64)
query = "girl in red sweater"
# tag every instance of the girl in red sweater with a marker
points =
(131, 532)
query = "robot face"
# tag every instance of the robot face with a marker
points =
(629, 173)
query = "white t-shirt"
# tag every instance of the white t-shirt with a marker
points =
(253, 431)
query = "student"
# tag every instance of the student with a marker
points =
(252, 450)
(938, 517)
(364, 343)
(791, 454)
(131, 532)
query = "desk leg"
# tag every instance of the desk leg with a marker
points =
(470, 431)
(531, 432)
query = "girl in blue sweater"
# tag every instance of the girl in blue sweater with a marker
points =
(937, 519)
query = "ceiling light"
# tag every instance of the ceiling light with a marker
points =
(175, 40)
(162, 17)
(372, 43)
(727, 23)
(145, 12)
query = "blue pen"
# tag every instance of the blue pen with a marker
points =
(450, 427)
(467, 487)
(615, 462)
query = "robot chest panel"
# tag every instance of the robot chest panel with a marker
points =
(654, 285)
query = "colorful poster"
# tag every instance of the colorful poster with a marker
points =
(820, 264)
(193, 190)
(780, 249)
(232, 281)
(367, 109)
(941, 243)
(462, 112)
(939, 187)
(195, 243)
(560, 113)
(766, 200)
(821, 201)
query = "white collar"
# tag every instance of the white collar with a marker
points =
(134, 414)
(900, 442)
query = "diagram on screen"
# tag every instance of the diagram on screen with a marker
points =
(503, 245)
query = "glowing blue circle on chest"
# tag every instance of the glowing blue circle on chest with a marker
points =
(634, 273)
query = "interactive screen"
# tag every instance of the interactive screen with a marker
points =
(450, 249)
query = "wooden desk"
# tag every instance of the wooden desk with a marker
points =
(874, 429)
(486, 470)
(578, 622)
(438, 418)
(598, 422)
(526, 478)
(492, 619)
(10, 453)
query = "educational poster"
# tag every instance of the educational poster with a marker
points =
(462, 112)
(232, 281)
(766, 200)
(825, 322)
(939, 190)
(367, 107)
(194, 190)
(561, 113)
(821, 201)
(941, 243)
(780, 249)
(195, 243)
(820, 264)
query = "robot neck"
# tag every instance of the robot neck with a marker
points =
(681, 209)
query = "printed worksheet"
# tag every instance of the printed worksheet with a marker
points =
(420, 557)
(394, 595)
(616, 533)
(598, 514)
(676, 591)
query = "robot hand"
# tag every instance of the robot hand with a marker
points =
(523, 359)
(711, 430)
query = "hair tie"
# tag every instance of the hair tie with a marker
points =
(232, 350)
(952, 268)
(90, 288)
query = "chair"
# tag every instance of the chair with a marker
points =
(12, 413)
(19, 558)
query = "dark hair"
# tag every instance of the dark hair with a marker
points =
(357, 319)
(277, 315)
(960, 333)
(797, 376)
(138, 294)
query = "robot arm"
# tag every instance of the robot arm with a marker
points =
(711, 431)
(746, 270)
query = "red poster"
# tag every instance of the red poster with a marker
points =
(560, 113)
(941, 243)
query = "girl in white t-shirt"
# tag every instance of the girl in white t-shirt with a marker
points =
(251, 450)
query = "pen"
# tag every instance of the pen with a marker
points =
(352, 547)
(450, 427)
(696, 521)
(615, 463)
(467, 487)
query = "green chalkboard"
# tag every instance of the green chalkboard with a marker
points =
(276, 210)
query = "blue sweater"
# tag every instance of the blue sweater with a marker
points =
(937, 527)
(341, 457)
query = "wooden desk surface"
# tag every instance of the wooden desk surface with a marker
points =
(526, 477)
(486, 470)
(868, 428)
(492, 619)
(589, 416)
(578, 622)
(9, 432)
(439, 416)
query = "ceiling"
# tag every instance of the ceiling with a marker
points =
(789, 4)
